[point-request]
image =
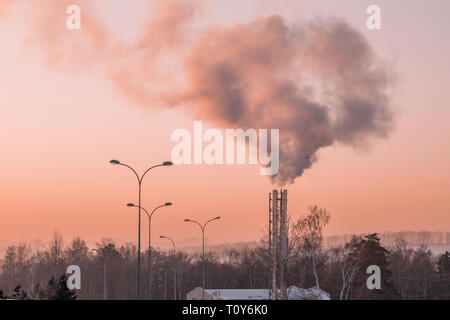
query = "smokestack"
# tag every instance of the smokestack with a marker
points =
(278, 243)
(274, 244)
(283, 244)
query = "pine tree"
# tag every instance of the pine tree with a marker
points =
(443, 265)
(62, 291)
(19, 294)
(443, 271)
(369, 250)
(55, 290)
(2, 295)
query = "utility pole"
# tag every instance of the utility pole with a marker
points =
(165, 284)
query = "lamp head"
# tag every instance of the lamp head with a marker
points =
(167, 204)
(167, 163)
(162, 237)
(114, 162)
(131, 205)
(217, 218)
(187, 220)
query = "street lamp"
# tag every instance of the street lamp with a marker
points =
(139, 178)
(174, 267)
(203, 249)
(167, 204)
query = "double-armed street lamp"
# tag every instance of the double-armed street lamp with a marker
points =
(174, 267)
(140, 179)
(203, 249)
(150, 215)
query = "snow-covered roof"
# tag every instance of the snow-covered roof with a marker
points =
(238, 294)
(314, 293)
(293, 292)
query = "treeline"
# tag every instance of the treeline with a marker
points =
(412, 238)
(109, 270)
(56, 289)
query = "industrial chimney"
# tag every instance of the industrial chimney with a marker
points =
(278, 243)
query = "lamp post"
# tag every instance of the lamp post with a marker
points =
(139, 178)
(150, 241)
(174, 267)
(203, 249)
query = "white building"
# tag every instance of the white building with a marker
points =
(294, 293)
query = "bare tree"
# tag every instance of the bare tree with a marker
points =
(349, 266)
(56, 248)
(15, 267)
(310, 228)
(400, 260)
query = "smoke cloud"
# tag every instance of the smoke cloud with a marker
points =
(62, 49)
(319, 82)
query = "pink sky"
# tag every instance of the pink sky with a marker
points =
(59, 129)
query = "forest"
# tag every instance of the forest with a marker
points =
(108, 271)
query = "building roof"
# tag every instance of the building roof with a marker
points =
(238, 294)
(293, 292)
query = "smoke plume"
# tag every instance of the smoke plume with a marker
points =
(318, 82)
